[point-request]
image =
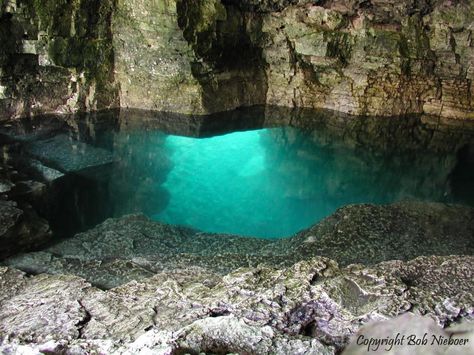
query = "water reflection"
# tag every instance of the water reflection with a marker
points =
(267, 182)
(142, 167)
(274, 182)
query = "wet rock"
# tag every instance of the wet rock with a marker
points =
(68, 155)
(9, 216)
(370, 234)
(400, 231)
(175, 288)
(230, 335)
(55, 300)
(20, 228)
(5, 186)
(47, 173)
(106, 273)
(428, 289)
(11, 281)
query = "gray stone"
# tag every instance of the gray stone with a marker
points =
(255, 310)
(5, 186)
(68, 155)
(388, 58)
(136, 246)
(47, 173)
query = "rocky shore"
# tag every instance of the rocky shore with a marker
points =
(394, 75)
(131, 285)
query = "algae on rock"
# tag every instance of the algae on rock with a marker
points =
(378, 58)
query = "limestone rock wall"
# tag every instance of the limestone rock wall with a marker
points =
(56, 56)
(152, 58)
(371, 57)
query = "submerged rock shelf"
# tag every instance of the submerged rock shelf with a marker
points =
(76, 171)
(134, 247)
(132, 285)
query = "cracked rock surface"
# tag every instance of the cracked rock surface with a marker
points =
(131, 285)
(313, 306)
(364, 57)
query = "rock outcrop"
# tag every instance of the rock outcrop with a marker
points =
(310, 307)
(56, 57)
(133, 246)
(21, 227)
(374, 57)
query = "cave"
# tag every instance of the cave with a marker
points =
(250, 177)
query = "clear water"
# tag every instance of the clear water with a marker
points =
(265, 183)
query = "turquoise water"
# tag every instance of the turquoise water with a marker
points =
(264, 183)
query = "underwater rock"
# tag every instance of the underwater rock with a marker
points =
(175, 288)
(5, 186)
(130, 247)
(107, 273)
(9, 216)
(369, 233)
(68, 155)
(20, 228)
(46, 173)
(400, 231)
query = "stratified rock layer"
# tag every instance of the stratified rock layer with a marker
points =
(373, 57)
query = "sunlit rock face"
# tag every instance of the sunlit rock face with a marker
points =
(372, 57)
(152, 58)
(375, 57)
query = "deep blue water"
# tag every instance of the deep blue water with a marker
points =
(265, 183)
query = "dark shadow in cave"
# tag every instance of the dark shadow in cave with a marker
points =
(462, 177)
(232, 69)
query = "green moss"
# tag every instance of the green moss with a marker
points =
(80, 37)
(198, 19)
(457, 16)
(386, 41)
(414, 44)
(339, 45)
(417, 43)
(55, 16)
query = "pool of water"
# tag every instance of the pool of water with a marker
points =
(266, 183)
(269, 182)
